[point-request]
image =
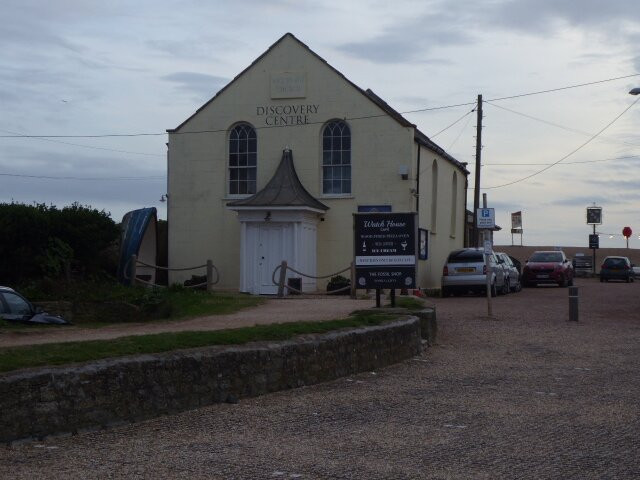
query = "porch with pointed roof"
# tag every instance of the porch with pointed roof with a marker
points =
(284, 191)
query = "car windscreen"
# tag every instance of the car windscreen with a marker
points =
(465, 256)
(615, 263)
(546, 257)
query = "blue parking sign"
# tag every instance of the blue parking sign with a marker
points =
(486, 218)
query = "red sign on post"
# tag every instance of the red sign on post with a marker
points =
(627, 232)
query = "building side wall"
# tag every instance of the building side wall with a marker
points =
(443, 239)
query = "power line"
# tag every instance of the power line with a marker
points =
(455, 140)
(448, 127)
(563, 163)
(159, 177)
(426, 109)
(562, 127)
(20, 135)
(567, 155)
(564, 88)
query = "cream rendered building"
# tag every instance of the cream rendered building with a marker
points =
(273, 167)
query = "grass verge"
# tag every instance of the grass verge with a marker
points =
(410, 303)
(14, 358)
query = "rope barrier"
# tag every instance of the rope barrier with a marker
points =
(149, 283)
(164, 286)
(319, 277)
(290, 288)
(127, 276)
(139, 262)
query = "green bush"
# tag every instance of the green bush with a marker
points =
(39, 240)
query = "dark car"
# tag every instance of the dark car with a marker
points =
(547, 267)
(616, 268)
(15, 308)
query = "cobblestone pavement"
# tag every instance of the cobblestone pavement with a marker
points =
(526, 395)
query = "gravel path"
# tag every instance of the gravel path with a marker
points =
(525, 395)
(292, 309)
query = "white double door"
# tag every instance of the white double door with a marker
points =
(275, 244)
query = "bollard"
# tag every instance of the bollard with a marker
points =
(283, 277)
(573, 304)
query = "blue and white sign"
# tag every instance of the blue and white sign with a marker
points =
(486, 218)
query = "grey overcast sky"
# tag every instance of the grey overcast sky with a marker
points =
(80, 67)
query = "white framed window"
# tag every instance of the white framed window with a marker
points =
(243, 158)
(336, 158)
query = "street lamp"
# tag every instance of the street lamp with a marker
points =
(635, 91)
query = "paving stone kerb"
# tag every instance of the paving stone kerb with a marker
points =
(40, 402)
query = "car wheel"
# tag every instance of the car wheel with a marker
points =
(518, 286)
(563, 282)
(601, 279)
(446, 292)
(628, 279)
(506, 287)
(570, 282)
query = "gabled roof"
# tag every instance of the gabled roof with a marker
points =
(283, 190)
(419, 137)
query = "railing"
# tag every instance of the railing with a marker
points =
(283, 267)
(130, 273)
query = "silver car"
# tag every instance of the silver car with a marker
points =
(465, 271)
(512, 272)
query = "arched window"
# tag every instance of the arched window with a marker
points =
(336, 158)
(243, 148)
(434, 196)
(454, 203)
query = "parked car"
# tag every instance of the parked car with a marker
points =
(616, 268)
(545, 267)
(582, 264)
(15, 308)
(465, 271)
(511, 270)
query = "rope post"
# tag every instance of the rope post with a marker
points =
(209, 275)
(353, 280)
(132, 270)
(283, 276)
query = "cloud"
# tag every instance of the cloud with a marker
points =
(538, 16)
(201, 85)
(414, 40)
(616, 186)
(580, 201)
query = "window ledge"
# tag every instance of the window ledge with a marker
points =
(336, 196)
(432, 232)
(452, 236)
(237, 197)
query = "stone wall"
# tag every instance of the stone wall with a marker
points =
(39, 402)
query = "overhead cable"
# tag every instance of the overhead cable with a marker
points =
(567, 155)
(426, 109)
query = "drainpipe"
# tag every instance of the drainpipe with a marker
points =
(418, 182)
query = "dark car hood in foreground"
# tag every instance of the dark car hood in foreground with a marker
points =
(41, 319)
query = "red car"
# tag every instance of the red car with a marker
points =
(546, 267)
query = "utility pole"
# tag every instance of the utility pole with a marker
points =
(476, 191)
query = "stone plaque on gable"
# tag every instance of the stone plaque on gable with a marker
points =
(289, 85)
